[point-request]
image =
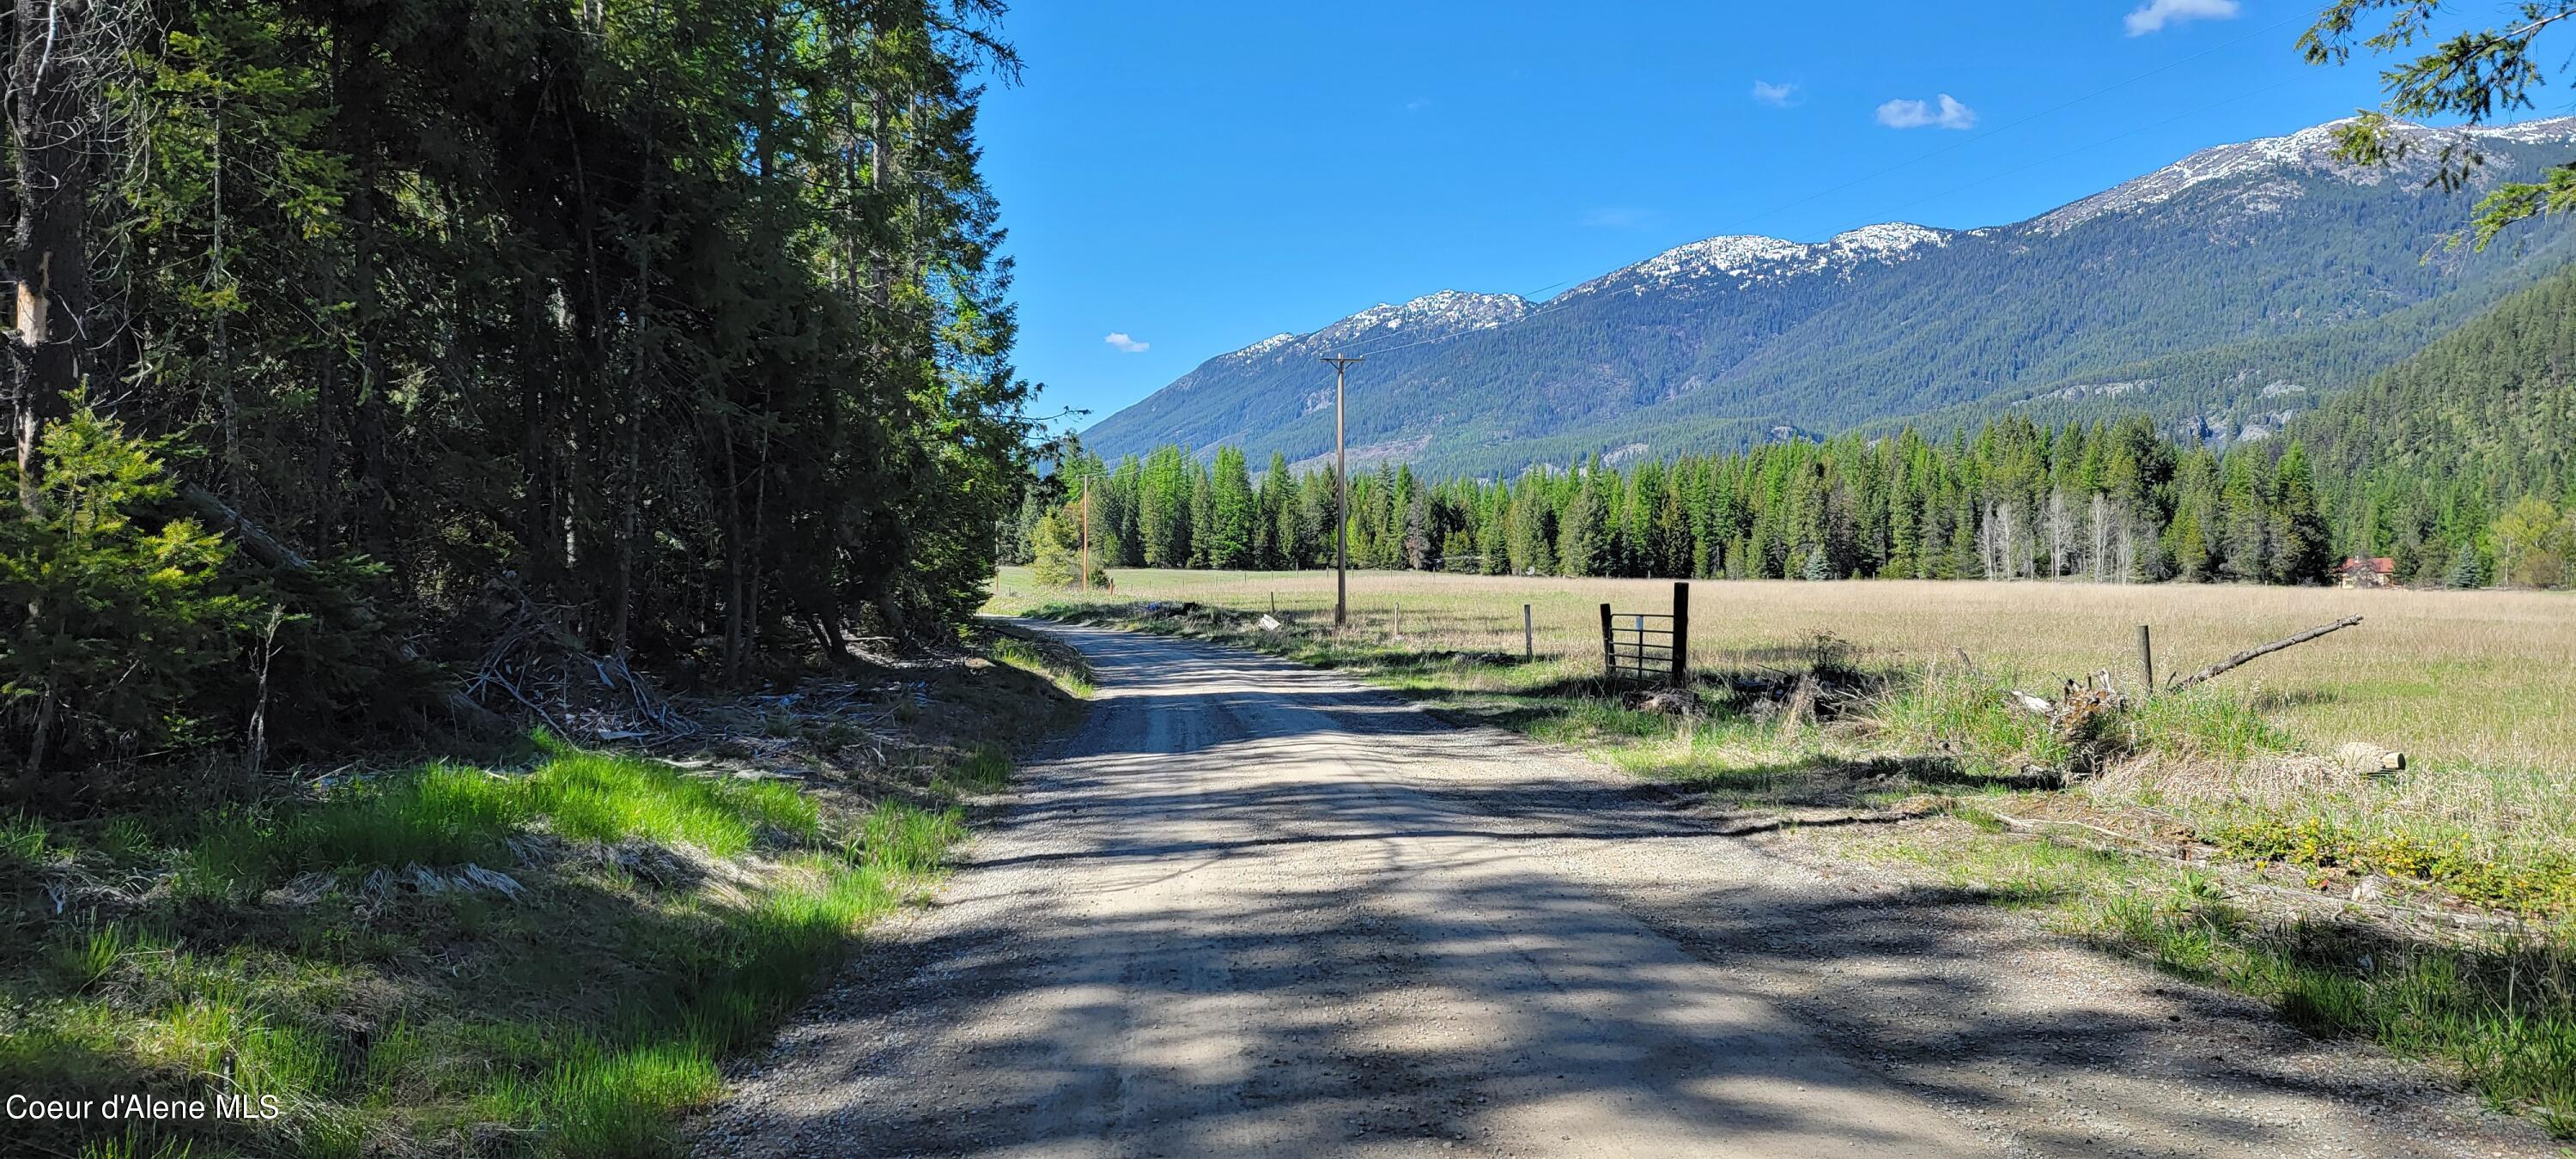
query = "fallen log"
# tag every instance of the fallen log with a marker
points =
(266, 549)
(2251, 654)
(2368, 759)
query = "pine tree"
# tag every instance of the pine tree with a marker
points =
(2301, 553)
(1580, 550)
(1057, 550)
(1231, 512)
(2245, 520)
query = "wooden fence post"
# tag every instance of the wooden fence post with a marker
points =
(2146, 662)
(1681, 633)
(1529, 637)
(1609, 653)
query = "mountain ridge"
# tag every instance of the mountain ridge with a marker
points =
(1732, 337)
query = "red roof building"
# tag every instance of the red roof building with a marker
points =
(2375, 572)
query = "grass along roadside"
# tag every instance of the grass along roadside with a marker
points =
(2496, 1010)
(1044, 655)
(2207, 775)
(548, 958)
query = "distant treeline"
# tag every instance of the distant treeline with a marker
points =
(2112, 501)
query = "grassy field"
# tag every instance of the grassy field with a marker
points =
(543, 955)
(2457, 679)
(2430, 911)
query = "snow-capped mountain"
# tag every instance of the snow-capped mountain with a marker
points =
(2263, 266)
(1742, 261)
(2260, 168)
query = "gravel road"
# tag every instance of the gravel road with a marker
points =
(1258, 909)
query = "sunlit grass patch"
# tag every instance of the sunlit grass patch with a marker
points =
(903, 839)
(581, 1016)
(984, 769)
(1058, 663)
(447, 815)
(605, 797)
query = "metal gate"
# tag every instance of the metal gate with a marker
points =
(1647, 647)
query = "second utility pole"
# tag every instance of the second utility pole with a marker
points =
(1342, 501)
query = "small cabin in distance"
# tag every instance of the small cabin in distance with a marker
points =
(2375, 572)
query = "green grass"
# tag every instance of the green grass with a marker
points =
(449, 814)
(1056, 662)
(1965, 714)
(582, 1018)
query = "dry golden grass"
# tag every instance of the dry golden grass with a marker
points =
(2456, 679)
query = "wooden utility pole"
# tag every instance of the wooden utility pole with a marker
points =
(1086, 537)
(1342, 499)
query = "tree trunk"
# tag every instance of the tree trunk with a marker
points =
(53, 134)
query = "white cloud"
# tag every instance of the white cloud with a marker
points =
(1943, 111)
(1119, 341)
(1417, 104)
(2153, 15)
(1779, 96)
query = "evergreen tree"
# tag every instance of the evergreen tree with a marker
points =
(1580, 548)
(2301, 552)
(1231, 514)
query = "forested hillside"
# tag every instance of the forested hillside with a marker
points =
(360, 339)
(2456, 464)
(2464, 456)
(2220, 295)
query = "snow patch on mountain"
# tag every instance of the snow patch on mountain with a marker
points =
(1749, 259)
(1264, 346)
(2310, 151)
(1431, 315)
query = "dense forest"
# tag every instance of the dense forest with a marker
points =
(359, 343)
(2111, 502)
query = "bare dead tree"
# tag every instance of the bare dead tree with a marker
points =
(2101, 535)
(2060, 532)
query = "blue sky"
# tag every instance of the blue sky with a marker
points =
(1182, 179)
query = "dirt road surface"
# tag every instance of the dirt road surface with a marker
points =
(1257, 909)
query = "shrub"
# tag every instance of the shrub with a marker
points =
(118, 627)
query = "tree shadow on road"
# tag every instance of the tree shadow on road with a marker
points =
(1194, 935)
